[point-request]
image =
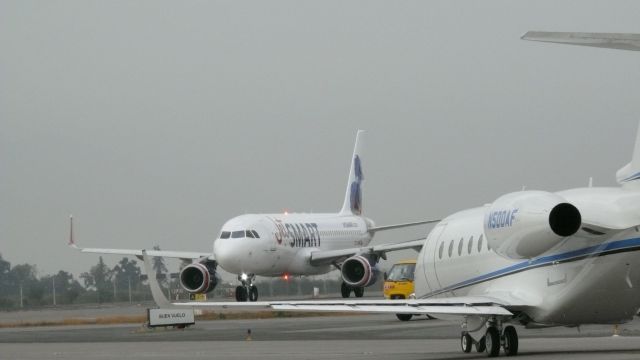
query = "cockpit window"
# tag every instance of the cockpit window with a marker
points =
(255, 234)
(225, 235)
(237, 234)
(249, 234)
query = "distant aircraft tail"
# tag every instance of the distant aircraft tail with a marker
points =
(618, 41)
(629, 175)
(353, 198)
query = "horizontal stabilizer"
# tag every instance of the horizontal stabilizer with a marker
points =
(619, 41)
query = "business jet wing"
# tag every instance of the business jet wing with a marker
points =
(457, 306)
(620, 41)
(331, 256)
(184, 255)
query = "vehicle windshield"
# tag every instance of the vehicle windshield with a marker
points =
(401, 272)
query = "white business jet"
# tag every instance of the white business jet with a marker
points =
(530, 258)
(288, 245)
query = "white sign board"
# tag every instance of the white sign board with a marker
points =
(169, 317)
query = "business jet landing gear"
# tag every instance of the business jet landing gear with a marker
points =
(510, 341)
(246, 291)
(346, 290)
(489, 340)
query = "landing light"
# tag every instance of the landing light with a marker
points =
(244, 276)
(285, 277)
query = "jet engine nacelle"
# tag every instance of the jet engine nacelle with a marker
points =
(526, 224)
(359, 271)
(199, 278)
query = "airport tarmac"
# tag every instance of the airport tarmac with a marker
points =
(340, 337)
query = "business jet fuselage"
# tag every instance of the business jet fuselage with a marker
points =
(592, 276)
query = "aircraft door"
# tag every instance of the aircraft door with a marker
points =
(430, 255)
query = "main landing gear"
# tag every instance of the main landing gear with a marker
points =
(492, 341)
(346, 290)
(246, 291)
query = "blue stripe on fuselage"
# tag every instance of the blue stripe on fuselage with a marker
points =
(590, 251)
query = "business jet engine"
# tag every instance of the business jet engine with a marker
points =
(526, 224)
(199, 278)
(359, 271)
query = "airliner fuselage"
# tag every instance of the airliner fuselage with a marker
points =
(279, 244)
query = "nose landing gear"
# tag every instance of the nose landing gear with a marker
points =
(345, 290)
(246, 291)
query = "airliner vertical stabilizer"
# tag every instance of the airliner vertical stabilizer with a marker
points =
(353, 198)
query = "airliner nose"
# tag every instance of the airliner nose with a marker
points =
(227, 254)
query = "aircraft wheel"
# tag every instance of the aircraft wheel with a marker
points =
(253, 293)
(481, 345)
(345, 290)
(359, 291)
(492, 342)
(404, 317)
(466, 342)
(241, 293)
(510, 341)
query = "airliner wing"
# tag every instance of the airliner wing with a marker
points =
(618, 41)
(184, 255)
(330, 256)
(398, 226)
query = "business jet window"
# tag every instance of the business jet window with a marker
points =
(480, 243)
(460, 246)
(470, 245)
(255, 234)
(237, 234)
(249, 234)
(225, 235)
(441, 249)
(450, 248)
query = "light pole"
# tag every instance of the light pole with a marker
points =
(53, 285)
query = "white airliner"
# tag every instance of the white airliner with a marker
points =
(530, 258)
(289, 244)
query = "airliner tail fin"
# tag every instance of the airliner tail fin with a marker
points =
(353, 198)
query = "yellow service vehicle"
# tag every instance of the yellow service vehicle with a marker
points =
(398, 283)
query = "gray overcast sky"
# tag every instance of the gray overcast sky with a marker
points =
(154, 122)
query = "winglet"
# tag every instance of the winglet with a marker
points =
(629, 174)
(72, 242)
(158, 296)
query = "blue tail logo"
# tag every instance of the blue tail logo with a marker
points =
(356, 192)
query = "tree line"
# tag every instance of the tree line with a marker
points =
(21, 287)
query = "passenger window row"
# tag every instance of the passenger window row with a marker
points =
(338, 232)
(470, 247)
